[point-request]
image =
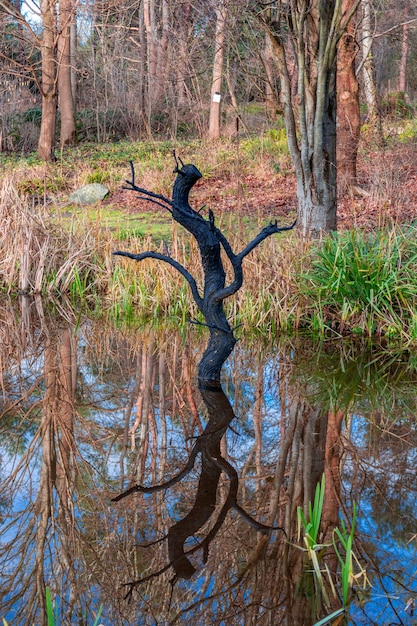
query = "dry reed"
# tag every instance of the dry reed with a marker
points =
(37, 253)
(41, 253)
(268, 300)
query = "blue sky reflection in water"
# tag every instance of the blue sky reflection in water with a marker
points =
(88, 410)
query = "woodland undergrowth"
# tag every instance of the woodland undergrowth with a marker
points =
(348, 283)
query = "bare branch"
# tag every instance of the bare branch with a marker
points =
(269, 230)
(166, 485)
(149, 194)
(236, 260)
(167, 259)
(397, 26)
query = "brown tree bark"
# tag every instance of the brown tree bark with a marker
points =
(216, 86)
(368, 70)
(312, 30)
(334, 448)
(46, 141)
(348, 113)
(156, 22)
(272, 103)
(405, 45)
(65, 64)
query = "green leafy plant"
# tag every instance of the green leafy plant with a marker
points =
(312, 524)
(311, 529)
(348, 575)
(364, 282)
(351, 570)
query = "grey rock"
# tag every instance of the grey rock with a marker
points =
(89, 194)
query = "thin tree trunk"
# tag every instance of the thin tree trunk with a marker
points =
(368, 70)
(162, 415)
(402, 80)
(271, 101)
(66, 100)
(46, 141)
(216, 86)
(348, 114)
(257, 423)
(162, 50)
(184, 27)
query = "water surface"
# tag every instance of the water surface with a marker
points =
(89, 411)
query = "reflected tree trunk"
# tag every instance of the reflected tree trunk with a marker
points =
(162, 415)
(143, 409)
(43, 504)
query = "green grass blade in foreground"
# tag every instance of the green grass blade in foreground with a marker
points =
(312, 526)
(49, 607)
(100, 610)
(327, 619)
(52, 617)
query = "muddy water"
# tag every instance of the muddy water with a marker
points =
(208, 483)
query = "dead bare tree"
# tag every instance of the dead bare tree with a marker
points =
(211, 241)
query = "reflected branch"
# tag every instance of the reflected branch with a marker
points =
(213, 464)
(162, 487)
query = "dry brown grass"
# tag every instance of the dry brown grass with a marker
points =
(42, 253)
(268, 300)
(39, 254)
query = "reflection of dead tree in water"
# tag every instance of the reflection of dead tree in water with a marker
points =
(211, 242)
(212, 465)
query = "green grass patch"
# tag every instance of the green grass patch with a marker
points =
(364, 284)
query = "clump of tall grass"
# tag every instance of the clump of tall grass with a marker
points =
(153, 291)
(351, 571)
(269, 300)
(40, 255)
(363, 283)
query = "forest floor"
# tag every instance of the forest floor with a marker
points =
(386, 192)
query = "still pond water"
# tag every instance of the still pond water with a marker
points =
(88, 411)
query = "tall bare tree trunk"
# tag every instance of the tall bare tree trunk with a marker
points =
(46, 141)
(310, 114)
(271, 101)
(402, 79)
(348, 114)
(369, 85)
(156, 24)
(65, 64)
(184, 27)
(162, 49)
(216, 87)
